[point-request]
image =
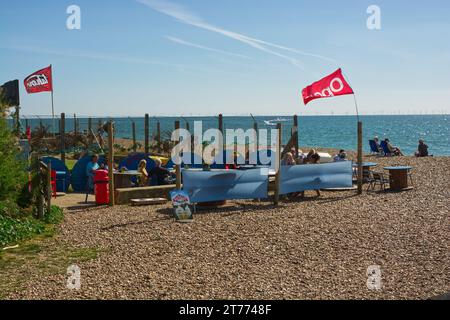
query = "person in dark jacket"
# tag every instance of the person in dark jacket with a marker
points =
(162, 174)
(422, 149)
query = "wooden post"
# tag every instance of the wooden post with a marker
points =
(100, 138)
(360, 159)
(133, 130)
(62, 135)
(178, 167)
(147, 134)
(276, 197)
(90, 131)
(49, 187)
(17, 129)
(221, 130)
(295, 134)
(111, 163)
(158, 135)
(75, 124)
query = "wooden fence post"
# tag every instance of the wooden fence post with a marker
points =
(111, 163)
(75, 130)
(360, 159)
(90, 131)
(62, 137)
(158, 136)
(147, 134)
(178, 167)
(49, 187)
(295, 134)
(133, 130)
(276, 198)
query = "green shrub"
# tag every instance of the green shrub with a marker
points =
(14, 229)
(55, 216)
(12, 170)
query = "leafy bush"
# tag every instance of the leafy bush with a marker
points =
(16, 229)
(55, 216)
(13, 229)
(12, 170)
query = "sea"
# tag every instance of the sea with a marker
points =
(338, 132)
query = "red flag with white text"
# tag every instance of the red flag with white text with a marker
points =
(39, 81)
(330, 86)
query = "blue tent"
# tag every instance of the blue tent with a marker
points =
(62, 182)
(132, 162)
(78, 178)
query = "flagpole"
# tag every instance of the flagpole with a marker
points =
(53, 106)
(359, 146)
(356, 106)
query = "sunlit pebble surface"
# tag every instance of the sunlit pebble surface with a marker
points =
(311, 249)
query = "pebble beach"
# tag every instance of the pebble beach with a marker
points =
(315, 248)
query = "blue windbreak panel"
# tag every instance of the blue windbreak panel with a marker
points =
(315, 176)
(208, 186)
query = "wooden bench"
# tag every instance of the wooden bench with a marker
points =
(125, 195)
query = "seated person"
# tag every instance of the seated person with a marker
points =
(394, 150)
(422, 149)
(143, 177)
(315, 159)
(91, 167)
(377, 143)
(288, 160)
(341, 156)
(308, 157)
(162, 174)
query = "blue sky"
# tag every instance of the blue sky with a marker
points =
(228, 56)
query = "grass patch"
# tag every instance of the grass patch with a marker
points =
(36, 258)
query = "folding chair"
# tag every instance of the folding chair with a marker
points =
(377, 178)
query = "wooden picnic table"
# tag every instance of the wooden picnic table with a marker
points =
(123, 179)
(398, 178)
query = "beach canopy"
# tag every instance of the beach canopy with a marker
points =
(62, 185)
(78, 178)
(132, 162)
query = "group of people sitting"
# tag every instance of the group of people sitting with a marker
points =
(163, 176)
(290, 160)
(422, 149)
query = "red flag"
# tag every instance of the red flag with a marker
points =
(39, 81)
(330, 86)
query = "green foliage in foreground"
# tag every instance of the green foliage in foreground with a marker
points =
(14, 229)
(12, 170)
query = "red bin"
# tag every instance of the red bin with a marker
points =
(101, 187)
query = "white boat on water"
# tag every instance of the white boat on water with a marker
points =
(274, 122)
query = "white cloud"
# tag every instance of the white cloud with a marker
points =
(183, 15)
